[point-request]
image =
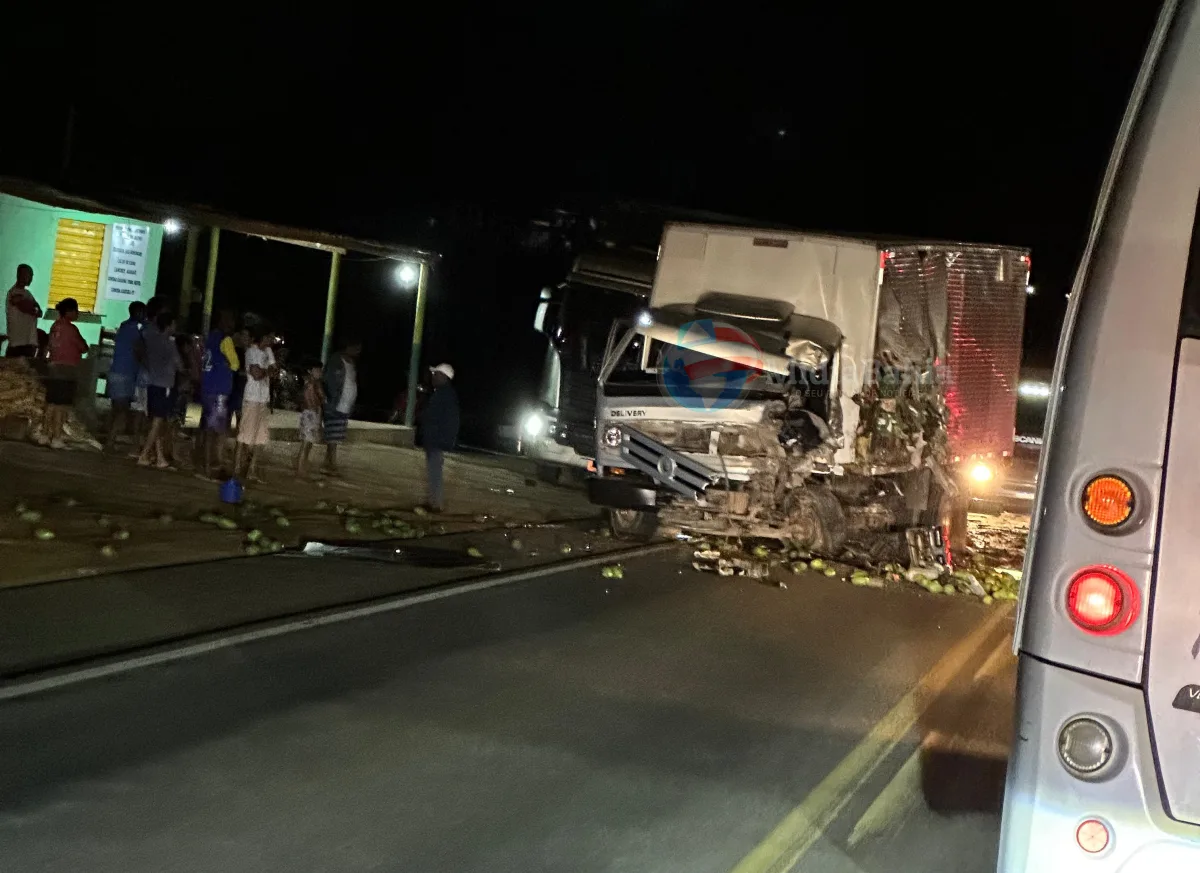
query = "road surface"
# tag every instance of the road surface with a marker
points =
(667, 721)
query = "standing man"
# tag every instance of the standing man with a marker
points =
(341, 392)
(161, 362)
(218, 365)
(22, 312)
(439, 426)
(121, 380)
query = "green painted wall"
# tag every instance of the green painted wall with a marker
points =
(27, 234)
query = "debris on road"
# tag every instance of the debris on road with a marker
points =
(986, 571)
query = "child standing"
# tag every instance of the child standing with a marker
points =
(312, 407)
(254, 419)
(66, 348)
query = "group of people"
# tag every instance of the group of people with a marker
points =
(157, 372)
(61, 348)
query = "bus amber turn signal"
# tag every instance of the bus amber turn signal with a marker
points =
(1108, 501)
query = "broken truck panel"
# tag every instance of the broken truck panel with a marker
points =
(836, 434)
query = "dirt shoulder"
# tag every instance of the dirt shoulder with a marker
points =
(89, 501)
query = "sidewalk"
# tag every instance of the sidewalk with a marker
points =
(85, 498)
(61, 623)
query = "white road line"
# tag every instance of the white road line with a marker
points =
(168, 652)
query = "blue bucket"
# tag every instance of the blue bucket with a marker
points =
(231, 491)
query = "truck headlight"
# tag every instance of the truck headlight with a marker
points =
(612, 437)
(534, 424)
(982, 473)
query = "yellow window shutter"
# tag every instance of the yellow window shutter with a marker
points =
(78, 250)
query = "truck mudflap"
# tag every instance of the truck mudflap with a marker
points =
(674, 470)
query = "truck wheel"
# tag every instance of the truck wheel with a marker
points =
(949, 512)
(817, 519)
(632, 524)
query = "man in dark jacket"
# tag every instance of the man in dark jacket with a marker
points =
(439, 427)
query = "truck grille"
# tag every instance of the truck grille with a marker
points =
(672, 469)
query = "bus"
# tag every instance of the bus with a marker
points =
(1105, 770)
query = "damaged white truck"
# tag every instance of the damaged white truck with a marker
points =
(839, 394)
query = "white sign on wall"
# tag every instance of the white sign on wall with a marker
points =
(126, 261)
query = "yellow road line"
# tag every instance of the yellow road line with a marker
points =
(999, 659)
(805, 824)
(893, 803)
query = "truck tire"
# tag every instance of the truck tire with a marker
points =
(950, 513)
(818, 520)
(633, 524)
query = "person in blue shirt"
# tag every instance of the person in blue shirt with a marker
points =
(122, 374)
(439, 431)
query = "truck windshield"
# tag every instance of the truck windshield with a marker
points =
(703, 373)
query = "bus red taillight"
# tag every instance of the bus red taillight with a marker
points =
(1102, 600)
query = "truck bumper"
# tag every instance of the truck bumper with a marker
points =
(617, 494)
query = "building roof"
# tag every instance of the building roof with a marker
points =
(198, 215)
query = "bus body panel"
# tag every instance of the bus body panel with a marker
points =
(1115, 389)
(1125, 399)
(1173, 669)
(1044, 804)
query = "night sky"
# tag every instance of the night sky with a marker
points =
(990, 125)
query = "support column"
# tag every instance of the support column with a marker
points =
(414, 360)
(187, 283)
(210, 279)
(335, 269)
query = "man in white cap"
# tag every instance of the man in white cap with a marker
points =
(439, 430)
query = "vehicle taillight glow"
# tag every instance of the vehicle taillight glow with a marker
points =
(982, 473)
(1108, 501)
(1102, 600)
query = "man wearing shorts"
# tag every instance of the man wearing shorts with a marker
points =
(162, 362)
(341, 392)
(122, 374)
(67, 348)
(254, 419)
(218, 365)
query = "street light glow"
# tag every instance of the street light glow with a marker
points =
(172, 226)
(406, 275)
(1029, 290)
(1038, 390)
